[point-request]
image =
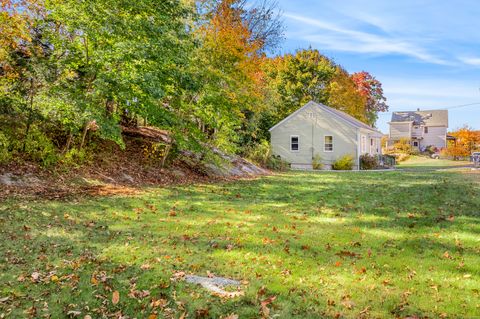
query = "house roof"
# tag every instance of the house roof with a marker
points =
(431, 118)
(337, 113)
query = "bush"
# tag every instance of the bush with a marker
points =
(275, 163)
(368, 162)
(344, 163)
(75, 157)
(430, 149)
(5, 154)
(403, 146)
(259, 153)
(39, 148)
(317, 162)
(402, 157)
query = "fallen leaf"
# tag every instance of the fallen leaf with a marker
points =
(115, 297)
(145, 266)
(264, 306)
(35, 276)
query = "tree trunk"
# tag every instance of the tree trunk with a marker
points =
(30, 116)
(84, 135)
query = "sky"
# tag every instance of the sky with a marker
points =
(426, 53)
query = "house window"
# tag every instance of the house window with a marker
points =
(294, 145)
(415, 144)
(328, 143)
(425, 129)
(364, 144)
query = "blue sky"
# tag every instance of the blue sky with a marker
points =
(426, 53)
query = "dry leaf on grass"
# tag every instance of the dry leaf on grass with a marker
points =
(115, 297)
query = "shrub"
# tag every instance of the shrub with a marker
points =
(40, 148)
(403, 146)
(430, 149)
(402, 157)
(368, 162)
(5, 154)
(75, 157)
(317, 162)
(344, 163)
(259, 153)
(275, 163)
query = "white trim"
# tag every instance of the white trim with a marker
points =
(298, 143)
(363, 146)
(324, 144)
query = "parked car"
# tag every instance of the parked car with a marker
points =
(435, 155)
(475, 157)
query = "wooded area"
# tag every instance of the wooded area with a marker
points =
(72, 72)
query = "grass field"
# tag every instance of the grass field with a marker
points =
(424, 162)
(307, 245)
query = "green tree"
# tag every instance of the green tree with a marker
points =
(298, 78)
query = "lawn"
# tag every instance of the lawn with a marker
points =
(309, 245)
(424, 162)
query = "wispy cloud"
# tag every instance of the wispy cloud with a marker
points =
(474, 61)
(339, 38)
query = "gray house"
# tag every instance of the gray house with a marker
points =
(421, 128)
(316, 129)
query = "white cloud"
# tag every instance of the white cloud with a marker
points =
(475, 61)
(335, 37)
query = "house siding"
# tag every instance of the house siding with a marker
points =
(436, 136)
(312, 130)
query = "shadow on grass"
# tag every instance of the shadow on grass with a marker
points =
(319, 242)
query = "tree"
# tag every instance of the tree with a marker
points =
(344, 96)
(297, 79)
(370, 88)
(466, 142)
(227, 62)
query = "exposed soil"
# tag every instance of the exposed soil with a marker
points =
(113, 171)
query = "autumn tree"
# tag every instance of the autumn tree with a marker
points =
(466, 141)
(371, 89)
(227, 62)
(344, 96)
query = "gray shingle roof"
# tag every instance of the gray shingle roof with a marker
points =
(432, 117)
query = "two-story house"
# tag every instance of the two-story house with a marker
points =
(422, 128)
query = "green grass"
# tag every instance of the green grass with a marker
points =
(424, 162)
(327, 245)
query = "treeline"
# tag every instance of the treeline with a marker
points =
(201, 69)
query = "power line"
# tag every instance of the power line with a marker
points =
(462, 105)
(442, 107)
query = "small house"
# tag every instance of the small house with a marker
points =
(316, 130)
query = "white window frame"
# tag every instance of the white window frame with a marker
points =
(325, 144)
(363, 144)
(298, 143)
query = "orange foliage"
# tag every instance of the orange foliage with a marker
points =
(467, 141)
(231, 49)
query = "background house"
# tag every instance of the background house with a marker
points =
(422, 128)
(316, 129)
